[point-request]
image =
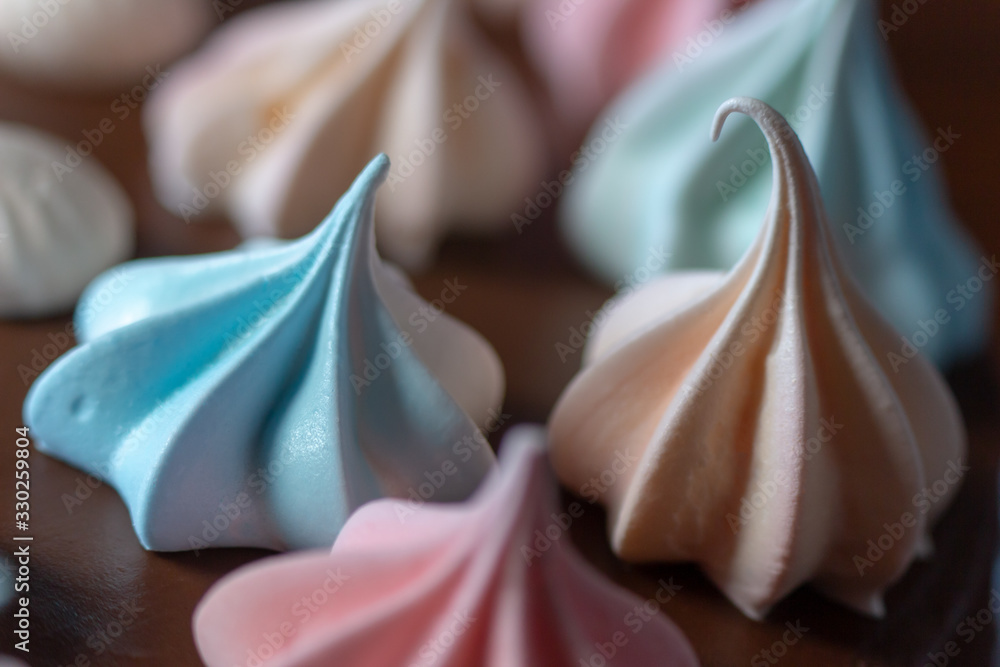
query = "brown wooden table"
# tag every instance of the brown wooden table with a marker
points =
(91, 580)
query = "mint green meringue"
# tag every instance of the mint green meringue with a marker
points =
(663, 187)
(257, 397)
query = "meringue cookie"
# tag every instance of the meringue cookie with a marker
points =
(58, 229)
(96, 43)
(449, 586)
(589, 51)
(256, 397)
(289, 101)
(778, 426)
(661, 186)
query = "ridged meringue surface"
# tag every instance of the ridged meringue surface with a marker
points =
(444, 586)
(288, 101)
(58, 229)
(256, 397)
(96, 43)
(589, 51)
(822, 63)
(778, 437)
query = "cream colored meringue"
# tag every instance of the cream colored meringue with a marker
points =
(58, 228)
(287, 103)
(785, 435)
(96, 43)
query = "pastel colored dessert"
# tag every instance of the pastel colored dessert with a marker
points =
(493, 582)
(286, 102)
(589, 51)
(257, 397)
(60, 225)
(97, 43)
(660, 187)
(782, 427)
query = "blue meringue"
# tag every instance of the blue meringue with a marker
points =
(256, 397)
(663, 188)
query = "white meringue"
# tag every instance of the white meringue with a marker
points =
(779, 430)
(57, 230)
(96, 43)
(287, 103)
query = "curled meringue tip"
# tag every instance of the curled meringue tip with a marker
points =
(763, 113)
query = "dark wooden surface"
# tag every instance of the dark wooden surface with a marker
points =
(89, 572)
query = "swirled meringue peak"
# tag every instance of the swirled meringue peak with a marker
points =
(781, 431)
(256, 397)
(287, 101)
(448, 586)
(660, 186)
(58, 229)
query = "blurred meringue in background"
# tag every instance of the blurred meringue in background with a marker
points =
(86, 44)
(588, 51)
(664, 187)
(285, 104)
(59, 227)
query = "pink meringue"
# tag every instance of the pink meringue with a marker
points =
(588, 51)
(491, 583)
(781, 426)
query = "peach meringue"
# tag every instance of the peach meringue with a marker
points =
(822, 63)
(782, 427)
(96, 43)
(450, 586)
(287, 102)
